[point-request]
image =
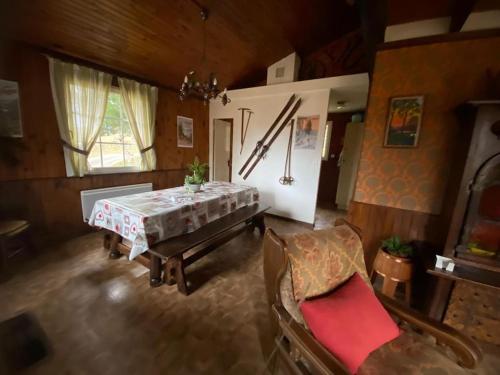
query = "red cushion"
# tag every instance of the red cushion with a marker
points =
(350, 322)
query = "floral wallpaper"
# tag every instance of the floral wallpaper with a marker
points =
(447, 74)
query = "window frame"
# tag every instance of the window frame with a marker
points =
(325, 147)
(112, 170)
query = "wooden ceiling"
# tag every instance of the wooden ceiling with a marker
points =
(161, 40)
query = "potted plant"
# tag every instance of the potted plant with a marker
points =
(194, 181)
(394, 260)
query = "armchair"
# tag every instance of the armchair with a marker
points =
(415, 350)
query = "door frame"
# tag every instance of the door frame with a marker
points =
(230, 166)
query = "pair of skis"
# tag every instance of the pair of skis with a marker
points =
(262, 147)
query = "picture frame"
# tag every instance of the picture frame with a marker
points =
(185, 134)
(10, 110)
(404, 121)
(306, 132)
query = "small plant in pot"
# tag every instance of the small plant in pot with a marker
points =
(194, 181)
(394, 262)
(395, 247)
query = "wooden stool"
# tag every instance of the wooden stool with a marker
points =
(11, 241)
(393, 270)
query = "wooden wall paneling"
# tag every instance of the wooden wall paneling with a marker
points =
(240, 40)
(53, 204)
(36, 188)
(40, 152)
(380, 222)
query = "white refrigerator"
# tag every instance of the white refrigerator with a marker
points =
(348, 163)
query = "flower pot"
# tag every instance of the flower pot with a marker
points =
(193, 188)
(395, 268)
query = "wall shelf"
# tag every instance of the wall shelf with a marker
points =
(469, 274)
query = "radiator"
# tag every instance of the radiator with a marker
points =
(89, 197)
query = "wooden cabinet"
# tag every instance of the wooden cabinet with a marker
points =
(473, 240)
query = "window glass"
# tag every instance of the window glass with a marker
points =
(115, 147)
(326, 141)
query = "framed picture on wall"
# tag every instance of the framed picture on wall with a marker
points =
(10, 110)
(306, 132)
(404, 121)
(184, 131)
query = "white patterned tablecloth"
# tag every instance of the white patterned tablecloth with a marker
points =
(148, 218)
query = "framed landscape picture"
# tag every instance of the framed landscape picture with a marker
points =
(184, 131)
(404, 120)
(10, 110)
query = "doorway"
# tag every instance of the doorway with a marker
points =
(340, 157)
(331, 158)
(222, 150)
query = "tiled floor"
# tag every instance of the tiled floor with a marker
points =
(101, 316)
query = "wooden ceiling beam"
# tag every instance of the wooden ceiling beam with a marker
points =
(373, 15)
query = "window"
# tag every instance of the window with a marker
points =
(326, 141)
(115, 150)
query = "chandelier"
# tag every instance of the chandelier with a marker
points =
(206, 90)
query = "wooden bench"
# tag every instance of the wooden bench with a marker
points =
(169, 255)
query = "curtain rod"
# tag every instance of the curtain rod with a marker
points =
(72, 59)
(96, 66)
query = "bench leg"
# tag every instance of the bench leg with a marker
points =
(113, 244)
(258, 221)
(174, 273)
(155, 271)
(169, 274)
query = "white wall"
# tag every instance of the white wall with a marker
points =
(489, 19)
(417, 29)
(297, 201)
(289, 67)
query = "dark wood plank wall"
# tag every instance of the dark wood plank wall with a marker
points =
(381, 222)
(36, 186)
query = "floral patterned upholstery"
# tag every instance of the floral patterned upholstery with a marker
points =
(322, 260)
(411, 354)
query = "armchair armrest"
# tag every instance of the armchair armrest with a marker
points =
(319, 357)
(466, 350)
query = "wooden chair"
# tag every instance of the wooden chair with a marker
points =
(299, 352)
(13, 240)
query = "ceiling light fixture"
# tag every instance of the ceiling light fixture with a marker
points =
(341, 104)
(206, 90)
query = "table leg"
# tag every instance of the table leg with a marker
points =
(155, 271)
(106, 241)
(258, 221)
(113, 244)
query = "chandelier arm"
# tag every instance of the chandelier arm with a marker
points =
(209, 89)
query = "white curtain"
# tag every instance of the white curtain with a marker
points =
(139, 100)
(80, 97)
